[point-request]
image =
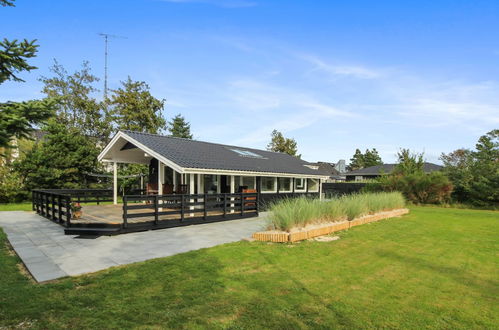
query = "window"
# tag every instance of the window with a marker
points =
(249, 182)
(284, 184)
(313, 185)
(211, 184)
(300, 184)
(268, 184)
(246, 153)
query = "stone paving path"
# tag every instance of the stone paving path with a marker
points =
(49, 254)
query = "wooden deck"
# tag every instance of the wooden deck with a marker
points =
(113, 214)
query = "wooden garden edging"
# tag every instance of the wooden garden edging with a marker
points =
(312, 231)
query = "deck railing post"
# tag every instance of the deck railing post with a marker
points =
(156, 197)
(68, 211)
(59, 208)
(125, 220)
(242, 203)
(225, 204)
(47, 205)
(53, 208)
(205, 201)
(182, 198)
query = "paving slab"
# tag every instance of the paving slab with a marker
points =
(49, 254)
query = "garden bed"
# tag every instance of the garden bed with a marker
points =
(314, 230)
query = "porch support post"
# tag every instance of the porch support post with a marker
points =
(115, 183)
(191, 192)
(232, 190)
(161, 173)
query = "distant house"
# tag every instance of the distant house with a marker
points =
(335, 171)
(375, 171)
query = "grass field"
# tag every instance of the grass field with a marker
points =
(434, 268)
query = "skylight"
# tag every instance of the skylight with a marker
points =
(246, 153)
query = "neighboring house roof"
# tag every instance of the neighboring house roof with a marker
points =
(192, 154)
(387, 168)
(326, 168)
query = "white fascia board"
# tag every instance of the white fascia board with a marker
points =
(139, 145)
(109, 146)
(249, 173)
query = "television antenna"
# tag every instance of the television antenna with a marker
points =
(106, 37)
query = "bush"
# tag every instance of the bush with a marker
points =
(288, 213)
(418, 187)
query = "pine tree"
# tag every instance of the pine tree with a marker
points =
(134, 108)
(14, 54)
(179, 127)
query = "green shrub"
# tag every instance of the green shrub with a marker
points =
(418, 187)
(288, 213)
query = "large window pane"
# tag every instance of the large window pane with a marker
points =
(268, 184)
(284, 184)
(313, 185)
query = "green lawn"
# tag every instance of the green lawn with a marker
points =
(434, 268)
(15, 206)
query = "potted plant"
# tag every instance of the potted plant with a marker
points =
(76, 210)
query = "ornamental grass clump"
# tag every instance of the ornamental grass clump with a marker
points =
(299, 212)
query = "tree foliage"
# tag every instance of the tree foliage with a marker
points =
(17, 119)
(179, 127)
(14, 54)
(475, 174)
(279, 143)
(409, 162)
(134, 108)
(362, 160)
(76, 104)
(61, 160)
(409, 178)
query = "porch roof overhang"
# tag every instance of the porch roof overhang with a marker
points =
(125, 149)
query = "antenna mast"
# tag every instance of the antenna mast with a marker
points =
(106, 36)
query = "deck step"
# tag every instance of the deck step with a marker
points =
(91, 231)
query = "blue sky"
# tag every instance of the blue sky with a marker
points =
(334, 75)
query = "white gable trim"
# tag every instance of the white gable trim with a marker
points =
(147, 150)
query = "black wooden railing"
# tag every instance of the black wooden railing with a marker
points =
(55, 204)
(185, 208)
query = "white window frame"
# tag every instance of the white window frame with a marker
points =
(317, 185)
(275, 185)
(290, 185)
(304, 185)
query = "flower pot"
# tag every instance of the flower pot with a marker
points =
(77, 214)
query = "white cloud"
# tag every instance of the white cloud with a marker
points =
(355, 71)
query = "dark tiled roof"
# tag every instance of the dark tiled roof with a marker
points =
(387, 168)
(326, 168)
(198, 154)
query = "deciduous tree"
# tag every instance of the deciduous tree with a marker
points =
(279, 143)
(76, 104)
